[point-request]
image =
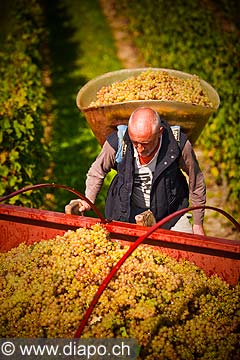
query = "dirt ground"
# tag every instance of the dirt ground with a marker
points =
(215, 224)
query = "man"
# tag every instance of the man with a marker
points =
(149, 174)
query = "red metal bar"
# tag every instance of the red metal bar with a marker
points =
(59, 186)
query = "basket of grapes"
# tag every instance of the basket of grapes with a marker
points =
(180, 98)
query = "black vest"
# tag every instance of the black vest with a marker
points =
(169, 191)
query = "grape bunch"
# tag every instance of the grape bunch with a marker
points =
(170, 307)
(153, 85)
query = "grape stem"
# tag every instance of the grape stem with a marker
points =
(130, 251)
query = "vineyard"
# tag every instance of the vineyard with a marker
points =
(174, 37)
(23, 151)
(41, 130)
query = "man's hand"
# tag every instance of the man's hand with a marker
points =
(146, 218)
(77, 207)
(198, 230)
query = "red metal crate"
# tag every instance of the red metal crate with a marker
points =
(213, 255)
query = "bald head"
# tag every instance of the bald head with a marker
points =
(144, 128)
(144, 120)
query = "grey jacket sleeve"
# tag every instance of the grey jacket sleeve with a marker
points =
(197, 187)
(98, 171)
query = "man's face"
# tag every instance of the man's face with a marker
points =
(145, 144)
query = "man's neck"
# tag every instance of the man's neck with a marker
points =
(146, 159)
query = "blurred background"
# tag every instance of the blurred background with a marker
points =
(50, 49)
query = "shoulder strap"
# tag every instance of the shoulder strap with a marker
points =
(176, 130)
(121, 129)
(179, 136)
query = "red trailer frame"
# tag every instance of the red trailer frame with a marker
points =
(214, 255)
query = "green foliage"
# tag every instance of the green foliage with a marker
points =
(81, 48)
(193, 37)
(95, 48)
(23, 154)
(185, 35)
(53, 36)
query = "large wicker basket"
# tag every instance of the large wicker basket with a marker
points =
(103, 119)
